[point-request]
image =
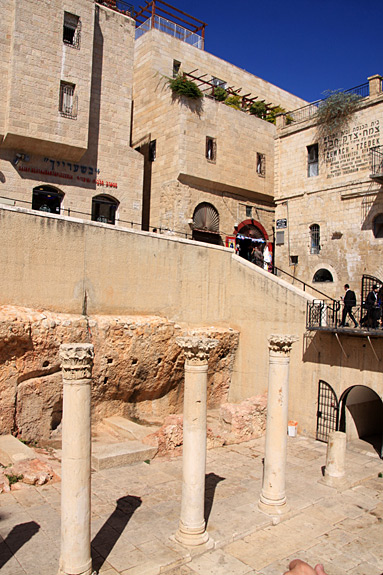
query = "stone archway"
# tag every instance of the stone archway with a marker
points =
(361, 416)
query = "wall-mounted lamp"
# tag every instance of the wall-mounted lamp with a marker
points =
(20, 158)
(190, 222)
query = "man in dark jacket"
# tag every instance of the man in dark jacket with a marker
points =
(372, 307)
(349, 301)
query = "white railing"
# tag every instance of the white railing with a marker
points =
(172, 29)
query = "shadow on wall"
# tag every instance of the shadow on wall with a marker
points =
(322, 348)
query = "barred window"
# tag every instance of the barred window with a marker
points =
(211, 149)
(312, 161)
(71, 30)
(68, 100)
(314, 239)
(261, 164)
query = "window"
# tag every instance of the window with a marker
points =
(211, 149)
(152, 150)
(71, 30)
(322, 275)
(176, 68)
(378, 226)
(47, 199)
(68, 100)
(314, 239)
(218, 83)
(312, 160)
(249, 211)
(104, 209)
(261, 164)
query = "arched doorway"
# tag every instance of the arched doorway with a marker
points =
(251, 233)
(104, 209)
(47, 199)
(206, 224)
(361, 416)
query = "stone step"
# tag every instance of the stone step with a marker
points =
(12, 450)
(126, 428)
(108, 455)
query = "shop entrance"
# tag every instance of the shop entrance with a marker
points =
(47, 199)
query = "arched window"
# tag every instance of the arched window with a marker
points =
(104, 209)
(47, 199)
(314, 239)
(206, 224)
(378, 226)
(322, 275)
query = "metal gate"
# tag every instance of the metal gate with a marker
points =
(328, 411)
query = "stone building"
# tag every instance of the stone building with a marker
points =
(328, 191)
(213, 169)
(65, 110)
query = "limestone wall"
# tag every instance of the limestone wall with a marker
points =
(343, 200)
(68, 266)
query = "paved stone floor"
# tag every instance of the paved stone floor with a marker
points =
(135, 512)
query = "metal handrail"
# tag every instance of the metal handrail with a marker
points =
(276, 269)
(307, 112)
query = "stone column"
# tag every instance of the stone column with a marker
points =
(375, 85)
(192, 529)
(335, 459)
(76, 361)
(273, 498)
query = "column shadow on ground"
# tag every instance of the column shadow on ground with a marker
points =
(211, 482)
(113, 527)
(15, 539)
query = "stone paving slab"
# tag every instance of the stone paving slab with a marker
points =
(135, 513)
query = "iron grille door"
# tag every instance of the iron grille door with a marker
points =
(328, 411)
(367, 283)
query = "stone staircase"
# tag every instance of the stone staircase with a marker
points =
(118, 441)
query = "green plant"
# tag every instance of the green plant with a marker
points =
(334, 111)
(380, 474)
(12, 478)
(258, 109)
(220, 94)
(233, 101)
(181, 86)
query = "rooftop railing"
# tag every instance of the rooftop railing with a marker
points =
(172, 29)
(308, 112)
(118, 6)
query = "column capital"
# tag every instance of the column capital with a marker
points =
(196, 348)
(281, 343)
(76, 360)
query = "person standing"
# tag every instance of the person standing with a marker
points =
(371, 306)
(349, 301)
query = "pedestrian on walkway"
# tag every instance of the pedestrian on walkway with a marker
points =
(349, 301)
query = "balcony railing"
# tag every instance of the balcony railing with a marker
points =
(308, 112)
(377, 163)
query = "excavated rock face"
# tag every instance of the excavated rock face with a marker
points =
(138, 369)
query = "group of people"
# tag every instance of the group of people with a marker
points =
(372, 306)
(255, 251)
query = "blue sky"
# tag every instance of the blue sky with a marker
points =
(304, 47)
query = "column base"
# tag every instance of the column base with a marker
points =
(83, 570)
(272, 507)
(335, 482)
(192, 537)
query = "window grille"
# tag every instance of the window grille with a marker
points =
(315, 239)
(261, 164)
(249, 211)
(72, 30)
(206, 218)
(68, 100)
(211, 149)
(312, 161)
